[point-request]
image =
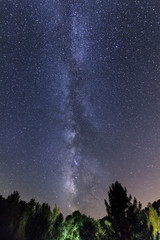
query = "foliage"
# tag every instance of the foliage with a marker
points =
(92, 230)
(126, 216)
(154, 219)
(125, 220)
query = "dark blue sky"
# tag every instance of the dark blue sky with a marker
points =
(80, 100)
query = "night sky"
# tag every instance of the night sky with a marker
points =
(80, 101)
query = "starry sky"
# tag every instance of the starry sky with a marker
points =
(80, 101)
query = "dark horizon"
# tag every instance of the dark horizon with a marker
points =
(103, 203)
(124, 219)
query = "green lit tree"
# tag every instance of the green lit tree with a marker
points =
(154, 219)
(72, 226)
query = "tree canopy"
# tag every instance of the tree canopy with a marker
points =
(124, 220)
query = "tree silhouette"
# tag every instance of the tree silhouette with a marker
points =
(127, 219)
(117, 209)
(9, 216)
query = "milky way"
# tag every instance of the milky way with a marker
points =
(80, 101)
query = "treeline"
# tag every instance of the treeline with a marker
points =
(124, 220)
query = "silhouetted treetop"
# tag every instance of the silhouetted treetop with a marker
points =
(124, 220)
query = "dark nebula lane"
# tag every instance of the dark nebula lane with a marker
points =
(80, 101)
